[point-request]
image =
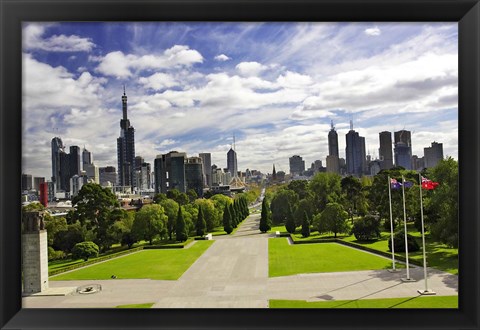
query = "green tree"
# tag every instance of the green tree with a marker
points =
(442, 208)
(158, 198)
(304, 205)
(54, 225)
(171, 210)
(180, 227)
(367, 228)
(279, 205)
(122, 229)
(210, 214)
(333, 219)
(352, 191)
(265, 218)
(93, 207)
(233, 215)
(149, 222)
(177, 196)
(201, 224)
(290, 222)
(326, 189)
(85, 250)
(300, 187)
(227, 221)
(65, 240)
(305, 225)
(192, 195)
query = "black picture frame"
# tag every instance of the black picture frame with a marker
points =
(13, 12)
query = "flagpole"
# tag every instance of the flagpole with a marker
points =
(426, 291)
(408, 279)
(391, 222)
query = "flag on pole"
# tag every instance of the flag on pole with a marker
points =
(408, 184)
(395, 184)
(428, 184)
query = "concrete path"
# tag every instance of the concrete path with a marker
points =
(233, 272)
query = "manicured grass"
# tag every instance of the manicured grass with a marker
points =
(410, 302)
(146, 305)
(285, 259)
(439, 255)
(161, 264)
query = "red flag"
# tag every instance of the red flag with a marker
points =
(428, 184)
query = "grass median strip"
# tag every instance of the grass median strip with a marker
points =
(409, 302)
(285, 259)
(163, 264)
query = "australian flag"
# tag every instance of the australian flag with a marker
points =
(395, 184)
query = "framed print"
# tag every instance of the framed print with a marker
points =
(155, 164)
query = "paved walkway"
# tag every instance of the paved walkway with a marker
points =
(233, 272)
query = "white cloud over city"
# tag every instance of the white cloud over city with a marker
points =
(276, 86)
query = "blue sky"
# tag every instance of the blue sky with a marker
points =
(276, 86)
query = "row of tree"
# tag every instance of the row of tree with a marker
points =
(330, 203)
(175, 216)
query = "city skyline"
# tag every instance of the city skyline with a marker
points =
(276, 86)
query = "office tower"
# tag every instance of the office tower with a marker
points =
(27, 182)
(76, 184)
(232, 162)
(418, 164)
(170, 172)
(194, 175)
(92, 172)
(37, 181)
(332, 158)
(60, 165)
(332, 141)
(433, 154)
(297, 165)
(143, 176)
(108, 175)
(385, 151)
(74, 159)
(87, 157)
(125, 148)
(355, 153)
(207, 167)
(403, 149)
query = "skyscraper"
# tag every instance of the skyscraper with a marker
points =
(207, 167)
(297, 165)
(385, 151)
(232, 162)
(355, 153)
(194, 175)
(126, 148)
(403, 149)
(332, 141)
(74, 161)
(60, 166)
(433, 154)
(332, 158)
(87, 157)
(170, 172)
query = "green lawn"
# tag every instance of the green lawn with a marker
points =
(285, 259)
(411, 302)
(438, 255)
(162, 264)
(146, 305)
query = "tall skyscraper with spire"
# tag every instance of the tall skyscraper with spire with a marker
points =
(232, 160)
(333, 164)
(126, 148)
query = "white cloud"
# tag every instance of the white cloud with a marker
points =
(222, 58)
(119, 65)
(32, 39)
(250, 68)
(158, 81)
(375, 31)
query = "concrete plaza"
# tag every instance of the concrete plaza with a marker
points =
(233, 273)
